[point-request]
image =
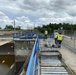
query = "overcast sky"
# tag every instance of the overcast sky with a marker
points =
(30, 13)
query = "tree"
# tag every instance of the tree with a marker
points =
(9, 27)
(18, 28)
(0, 28)
(53, 26)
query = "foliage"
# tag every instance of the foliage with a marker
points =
(18, 28)
(51, 27)
(0, 28)
(10, 27)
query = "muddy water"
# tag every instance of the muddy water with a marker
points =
(6, 58)
(5, 63)
(3, 69)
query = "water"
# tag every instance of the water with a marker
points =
(4, 69)
(7, 57)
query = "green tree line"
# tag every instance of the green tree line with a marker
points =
(10, 27)
(51, 27)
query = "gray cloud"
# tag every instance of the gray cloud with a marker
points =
(50, 8)
(51, 5)
(1, 15)
(39, 11)
(58, 5)
(13, 0)
(33, 5)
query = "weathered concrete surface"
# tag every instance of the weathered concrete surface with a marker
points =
(22, 52)
(69, 57)
(23, 48)
(4, 42)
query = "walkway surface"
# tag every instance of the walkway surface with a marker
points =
(69, 57)
(5, 40)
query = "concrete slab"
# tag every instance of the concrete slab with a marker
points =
(22, 52)
(69, 57)
(4, 42)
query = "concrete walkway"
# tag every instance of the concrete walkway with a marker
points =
(69, 57)
(4, 42)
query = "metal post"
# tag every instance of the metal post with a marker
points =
(14, 25)
(34, 25)
(74, 39)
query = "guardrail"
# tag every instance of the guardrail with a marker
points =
(25, 35)
(33, 61)
(29, 35)
(70, 43)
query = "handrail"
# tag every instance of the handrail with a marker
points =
(32, 62)
(24, 35)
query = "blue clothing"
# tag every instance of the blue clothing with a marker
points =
(56, 41)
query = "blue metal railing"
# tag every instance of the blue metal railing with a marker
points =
(33, 61)
(25, 35)
(30, 35)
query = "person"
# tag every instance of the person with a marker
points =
(55, 37)
(46, 33)
(60, 37)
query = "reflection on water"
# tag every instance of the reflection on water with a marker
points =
(7, 59)
(5, 63)
(4, 69)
